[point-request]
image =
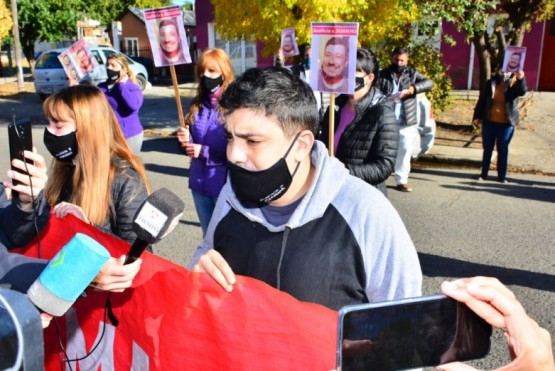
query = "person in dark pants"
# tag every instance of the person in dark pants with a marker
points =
(497, 112)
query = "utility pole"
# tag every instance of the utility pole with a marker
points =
(17, 44)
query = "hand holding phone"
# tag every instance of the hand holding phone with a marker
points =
(20, 139)
(410, 333)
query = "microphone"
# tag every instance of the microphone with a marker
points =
(155, 218)
(67, 275)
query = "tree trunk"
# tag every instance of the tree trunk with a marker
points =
(479, 41)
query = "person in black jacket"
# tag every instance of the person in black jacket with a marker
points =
(497, 111)
(401, 84)
(366, 133)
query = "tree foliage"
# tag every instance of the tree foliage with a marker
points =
(55, 20)
(383, 24)
(264, 20)
(6, 23)
(513, 19)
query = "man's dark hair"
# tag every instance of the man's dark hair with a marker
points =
(276, 92)
(336, 40)
(400, 50)
(367, 62)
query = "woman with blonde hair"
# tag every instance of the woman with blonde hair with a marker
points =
(94, 174)
(125, 97)
(203, 139)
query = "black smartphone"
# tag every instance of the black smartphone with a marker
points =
(20, 138)
(410, 333)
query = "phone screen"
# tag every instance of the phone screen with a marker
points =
(411, 333)
(20, 139)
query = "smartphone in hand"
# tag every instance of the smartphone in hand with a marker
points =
(410, 333)
(20, 139)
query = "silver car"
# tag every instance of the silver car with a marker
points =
(50, 76)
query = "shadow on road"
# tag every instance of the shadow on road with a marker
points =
(171, 166)
(439, 266)
(517, 188)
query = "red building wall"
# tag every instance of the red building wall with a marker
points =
(457, 57)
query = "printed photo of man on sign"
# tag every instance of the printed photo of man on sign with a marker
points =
(514, 59)
(166, 35)
(289, 43)
(334, 47)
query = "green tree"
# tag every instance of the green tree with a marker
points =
(6, 23)
(512, 19)
(264, 20)
(56, 20)
(382, 24)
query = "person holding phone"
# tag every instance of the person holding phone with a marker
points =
(529, 344)
(95, 175)
(126, 99)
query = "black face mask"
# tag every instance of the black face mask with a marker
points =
(501, 77)
(359, 82)
(113, 76)
(398, 69)
(259, 188)
(63, 147)
(212, 85)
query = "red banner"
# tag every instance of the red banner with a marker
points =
(172, 317)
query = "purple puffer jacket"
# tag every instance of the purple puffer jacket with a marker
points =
(125, 98)
(208, 172)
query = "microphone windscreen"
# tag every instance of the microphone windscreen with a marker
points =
(157, 215)
(68, 274)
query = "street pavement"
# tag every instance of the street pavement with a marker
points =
(460, 227)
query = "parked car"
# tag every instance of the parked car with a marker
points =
(50, 76)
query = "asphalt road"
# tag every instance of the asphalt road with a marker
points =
(460, 228)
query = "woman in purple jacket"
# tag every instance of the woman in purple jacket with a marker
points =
(125, 97)
(203, 139)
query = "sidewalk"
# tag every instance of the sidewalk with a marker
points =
(532, 148)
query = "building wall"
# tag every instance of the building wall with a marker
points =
(204, 15)
(131, 26)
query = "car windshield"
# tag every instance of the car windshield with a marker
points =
(48, 61)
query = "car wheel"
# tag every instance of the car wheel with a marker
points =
(142, 81)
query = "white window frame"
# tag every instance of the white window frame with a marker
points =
(135, 45)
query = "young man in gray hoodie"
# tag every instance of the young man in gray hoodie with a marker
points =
(292, 216)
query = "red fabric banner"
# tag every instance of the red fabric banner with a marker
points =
(172, 317)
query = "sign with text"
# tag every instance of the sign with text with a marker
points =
(167, 37)
(334, 47)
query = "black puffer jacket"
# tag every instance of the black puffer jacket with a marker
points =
(409, 77)
(368, 146)
(518, 89)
